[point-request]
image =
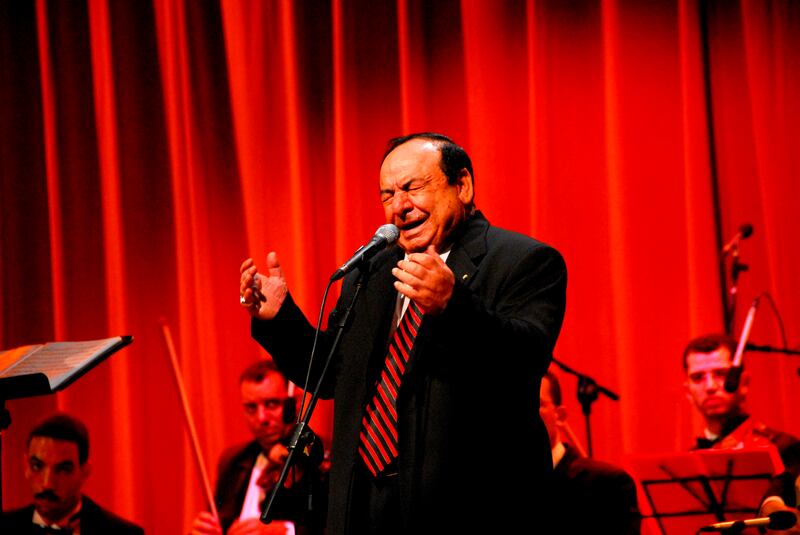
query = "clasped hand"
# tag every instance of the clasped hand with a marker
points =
(425, 279)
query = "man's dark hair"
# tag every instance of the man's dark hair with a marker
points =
(62, 426)
(555, 387)
(708, 343)
(258, 371)
(454, 158)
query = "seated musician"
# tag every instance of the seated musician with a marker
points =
(247, 472)
(57, 466)
(590, 496)
(706, 361)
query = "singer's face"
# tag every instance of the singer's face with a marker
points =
(706, 374)
(56, 476)
(263, 409)
(417, 197)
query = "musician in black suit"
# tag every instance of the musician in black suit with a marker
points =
(491, 303)
(590, 496)
(247, 472)
(56, 466)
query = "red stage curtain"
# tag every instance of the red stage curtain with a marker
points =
(147, 148)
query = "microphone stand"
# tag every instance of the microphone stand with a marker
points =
(588, 392)
(737, 267)
(771, 349)
(301, 436)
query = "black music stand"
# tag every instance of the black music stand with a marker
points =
(688, 490)
(37, 370)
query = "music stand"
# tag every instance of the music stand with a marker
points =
(36, 370)
(688, 490)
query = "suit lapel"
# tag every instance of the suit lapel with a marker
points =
(244, 469)
(469, 249)
(90, 516)
(234, 482)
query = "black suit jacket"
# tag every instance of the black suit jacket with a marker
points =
(594, 497)
(235, 467)
(94, 521)
(473, 452)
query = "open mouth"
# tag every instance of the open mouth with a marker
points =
(412, 225)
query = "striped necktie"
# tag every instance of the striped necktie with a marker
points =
(378, 439)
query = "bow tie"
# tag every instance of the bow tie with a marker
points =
(47, 530)
(704, 443)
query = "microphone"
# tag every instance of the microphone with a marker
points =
(735, 371)
(384, 236)
(745, 231)
(779, 520)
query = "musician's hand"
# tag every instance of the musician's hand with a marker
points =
(254, 526)
(277, 454)
(262, 294)
(277, 458)
(206, 524)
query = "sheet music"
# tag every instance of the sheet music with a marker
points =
(11, 357)
(57, 359)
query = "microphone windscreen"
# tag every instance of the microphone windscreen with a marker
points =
(388, 232)
(732, 379)
(746, 230)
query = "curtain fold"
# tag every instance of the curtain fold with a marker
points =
(148, 148)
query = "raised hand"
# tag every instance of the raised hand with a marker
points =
(262, 294)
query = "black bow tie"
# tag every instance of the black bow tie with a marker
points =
(704, 443)
(47, 530)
